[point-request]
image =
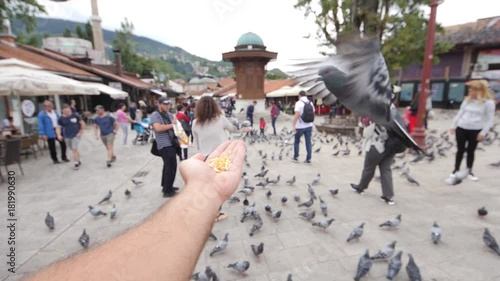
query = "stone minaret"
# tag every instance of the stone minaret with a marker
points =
(95, 21)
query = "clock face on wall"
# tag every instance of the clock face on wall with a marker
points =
(28, 108)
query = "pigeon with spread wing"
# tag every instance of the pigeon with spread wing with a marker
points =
(358, 77)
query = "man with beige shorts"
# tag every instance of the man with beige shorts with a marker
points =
(69, 129)
(108, 127)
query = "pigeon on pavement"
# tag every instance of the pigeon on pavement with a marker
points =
(106, 198)
(394, 266)
(234, 199)
(212, 235)
(394, 222)
(292, 181)
(112, 212)
(357, 232)
(385, 253)
(308, 215)
(436, 233)
(296, 198)
(284, 200)
(324, 208)
(84, 239)
(482, 212)
(311, 191)
(206, 275)
(323, 224)
(490, 241)
(240, 266)
(257, 250)
(289, 277)
(412, 270)
(256, 226)
(221, 246)
(128, 193)
(137, 182)
(307, 203)
(268, 194)
(96, 211)
(334, 192)
(364, 265)
(49, 221)
(316, 179)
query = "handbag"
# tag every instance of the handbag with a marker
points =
(154, 149)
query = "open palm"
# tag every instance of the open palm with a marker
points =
(197, 172)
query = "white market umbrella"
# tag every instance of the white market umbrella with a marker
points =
(23, 79)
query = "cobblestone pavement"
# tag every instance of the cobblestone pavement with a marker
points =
(291, 244)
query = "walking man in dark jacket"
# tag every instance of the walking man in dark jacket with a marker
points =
(47, 124)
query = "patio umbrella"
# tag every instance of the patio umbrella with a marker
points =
(23, 79)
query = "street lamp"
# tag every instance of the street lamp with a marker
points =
(419, 131)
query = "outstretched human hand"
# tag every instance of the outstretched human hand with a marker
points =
(196, 172)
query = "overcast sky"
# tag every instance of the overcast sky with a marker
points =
(209, 27)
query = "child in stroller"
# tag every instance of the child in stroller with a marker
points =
(143, 130)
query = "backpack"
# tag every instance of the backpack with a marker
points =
(308, 112)
(393, 144)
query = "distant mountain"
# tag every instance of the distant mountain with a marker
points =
(176, 56)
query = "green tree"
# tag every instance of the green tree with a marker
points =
(79, 32)
(31, 40)
(67, 33)
(399, 25)
(89, 35)
(24, 10)
(131, 61)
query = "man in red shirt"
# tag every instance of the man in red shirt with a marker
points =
(186, 125)
(275, 111)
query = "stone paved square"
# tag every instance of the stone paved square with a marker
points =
(292, 245)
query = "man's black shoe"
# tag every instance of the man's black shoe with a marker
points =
(355, 188)
(66, 160)
(169, 194)
(56, 162)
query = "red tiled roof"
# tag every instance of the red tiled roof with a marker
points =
(481, 32)
(269, 86)
(45, 62)
(226, 81)
(135, 83)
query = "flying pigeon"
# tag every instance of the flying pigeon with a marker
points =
(84, 239)
(436, 233)
(364, 265)
(49, 221)
(96, 211)
(356, 233)
(412, 270)
(221, 246)
(240, 266)
(106, 198)
(113, 212)
(394, 222)
(257, 250)
(490, 241)
(394, 266)
(358, 77)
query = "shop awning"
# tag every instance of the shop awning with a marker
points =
(158, 92)
(114, 93)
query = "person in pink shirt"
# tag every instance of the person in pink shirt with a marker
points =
(123, 120)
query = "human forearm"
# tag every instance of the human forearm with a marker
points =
(155, 241)
(295, 119)
(58, 131)
(490, 116)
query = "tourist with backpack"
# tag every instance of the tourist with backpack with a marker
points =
(302, 125)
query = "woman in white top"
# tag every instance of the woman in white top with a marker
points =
(210, 126)
(209, 129)
(472, 123)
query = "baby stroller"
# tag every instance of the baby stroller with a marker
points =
(143, 130)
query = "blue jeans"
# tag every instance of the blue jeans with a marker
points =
(273, 122)
(307, 132)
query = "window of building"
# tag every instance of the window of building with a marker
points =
(456, 91)
(437, 91)
(407, 90)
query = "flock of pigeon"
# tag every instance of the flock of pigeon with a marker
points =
(95, 211)
(438, 145)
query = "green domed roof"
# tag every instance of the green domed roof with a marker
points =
(250, 38)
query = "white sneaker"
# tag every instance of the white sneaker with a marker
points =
(452, 175)
(472, 177)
